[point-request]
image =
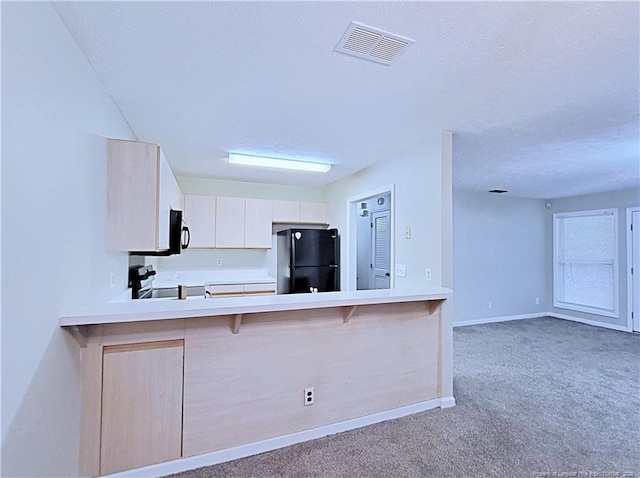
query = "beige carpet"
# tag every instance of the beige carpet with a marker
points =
(535, 398)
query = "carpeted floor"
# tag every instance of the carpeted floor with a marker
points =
(535, 398)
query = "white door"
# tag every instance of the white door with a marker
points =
(381, 250)
(635, 264)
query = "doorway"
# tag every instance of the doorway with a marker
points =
(370, 259)
(633, 269)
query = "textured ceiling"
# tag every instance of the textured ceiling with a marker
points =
(542, 98)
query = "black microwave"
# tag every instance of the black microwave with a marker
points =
(179, 237)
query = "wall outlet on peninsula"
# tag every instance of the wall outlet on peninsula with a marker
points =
(309, 396)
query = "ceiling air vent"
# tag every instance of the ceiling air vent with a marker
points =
(372, 44)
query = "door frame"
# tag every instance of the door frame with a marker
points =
(636, 318)
(352, 213)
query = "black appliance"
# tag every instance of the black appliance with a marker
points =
(179, 237)
(308, 260)
(141, 281)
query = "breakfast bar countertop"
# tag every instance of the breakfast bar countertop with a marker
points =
(166, 309)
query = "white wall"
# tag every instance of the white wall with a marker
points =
(54, 114)
(416, 175)
(499, 255)
(617, 199)
(223, 187)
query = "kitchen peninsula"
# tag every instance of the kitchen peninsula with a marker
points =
(168, 379)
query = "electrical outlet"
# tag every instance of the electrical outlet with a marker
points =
(401, 270)
(537, 300)
(309, 396)
(407, 232)
(491, 305)
(112, 279)
(429, 274)
(219, 261)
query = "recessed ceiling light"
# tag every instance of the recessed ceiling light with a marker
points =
(499, 191)
(281, 163)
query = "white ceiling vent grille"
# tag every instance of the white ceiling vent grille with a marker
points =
(372, 44)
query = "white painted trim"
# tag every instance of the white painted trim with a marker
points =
(630, 320)
(557, 227)
(447, 402)
(242, 451)
(491, 320)
(351, 259)
(622, 328)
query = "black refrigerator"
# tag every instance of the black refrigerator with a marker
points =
(308, 260)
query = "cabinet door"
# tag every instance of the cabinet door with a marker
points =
(286, 211)
(230, 223)
(313, 212)
(132, 196)
(200, 216)
(257, 224)
(141, 404)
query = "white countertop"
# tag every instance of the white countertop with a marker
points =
(164, 309)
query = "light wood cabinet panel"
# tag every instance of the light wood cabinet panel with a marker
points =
(235, 290)
(200, 216)
(132, 196)
(142, 388)
(313, 212)
(234, 393)
(141, 191)
(260, 289)
(286, 211)
(257, 224)
(230, 223)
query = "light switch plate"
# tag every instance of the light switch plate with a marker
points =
(401, 270)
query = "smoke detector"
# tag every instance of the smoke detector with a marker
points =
(373, 44)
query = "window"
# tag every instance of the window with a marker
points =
(585, 261)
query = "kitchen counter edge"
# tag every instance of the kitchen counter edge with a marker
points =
(150, 310)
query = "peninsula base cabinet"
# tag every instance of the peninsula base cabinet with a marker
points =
(132, 401)
(155, 391)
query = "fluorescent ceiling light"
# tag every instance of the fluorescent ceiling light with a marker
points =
(264, 162)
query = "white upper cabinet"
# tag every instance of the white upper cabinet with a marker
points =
(286, 211)
(200, 216)
(257, 224)
(295, 212)
(229, 223)
(313, 213)
(243, 223)
(140, 191)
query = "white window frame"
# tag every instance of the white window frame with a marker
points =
(557, 270)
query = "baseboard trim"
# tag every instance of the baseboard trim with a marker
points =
(447, 402)
(595, 323)
(242, 451)
(491, 320)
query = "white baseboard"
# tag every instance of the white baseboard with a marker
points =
(447, 402)
(622, 328)
(490, 320)
(242, 451)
